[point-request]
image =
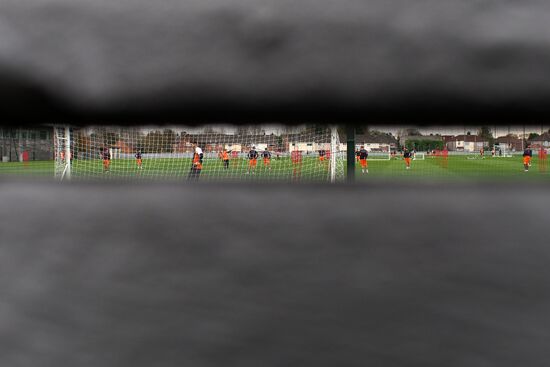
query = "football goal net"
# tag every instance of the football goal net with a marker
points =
(377, 152)
(308, 153)
(501, 151)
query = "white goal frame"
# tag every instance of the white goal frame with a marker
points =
(62, 149)
(506, 153)
(375, 155)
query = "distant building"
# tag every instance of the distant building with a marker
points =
(306, 142)
(465, 143)
(540, 141)
(510, 142)
(216, 142)
(35, 142)
(376, 141)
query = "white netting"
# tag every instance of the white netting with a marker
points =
(310, 153)
(377, 151)
(60, 141)
(416, 156)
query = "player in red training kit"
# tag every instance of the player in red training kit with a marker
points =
(296, 157)
(527, 154)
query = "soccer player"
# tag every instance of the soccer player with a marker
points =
(493, 152)
(296, 157)
(224, 156)
(252, 160)
(357, 155)
(542, 159)
(138, 159)
(267, 158)
(363, 155)
(106, 155)
(481, 153)
(445, 155)
(527, 154)
(407, 157)
(322, 154)
(196, 164)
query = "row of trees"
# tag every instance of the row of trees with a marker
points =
(424, 145)
(153, 141)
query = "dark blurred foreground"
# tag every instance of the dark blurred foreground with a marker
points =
(274, 60)
(416, 275)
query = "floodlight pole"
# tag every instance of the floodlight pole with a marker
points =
(350, 133)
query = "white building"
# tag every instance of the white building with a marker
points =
(466, 143)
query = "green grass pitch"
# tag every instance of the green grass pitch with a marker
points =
(454, 168)
(176, 169)
(213, 169)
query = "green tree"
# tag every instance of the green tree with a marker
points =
(412, 132)
(532, 136)
(424, 145)
(486, 135)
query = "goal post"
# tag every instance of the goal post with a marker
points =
(62, 152)
(225, 153)
(334, 147)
